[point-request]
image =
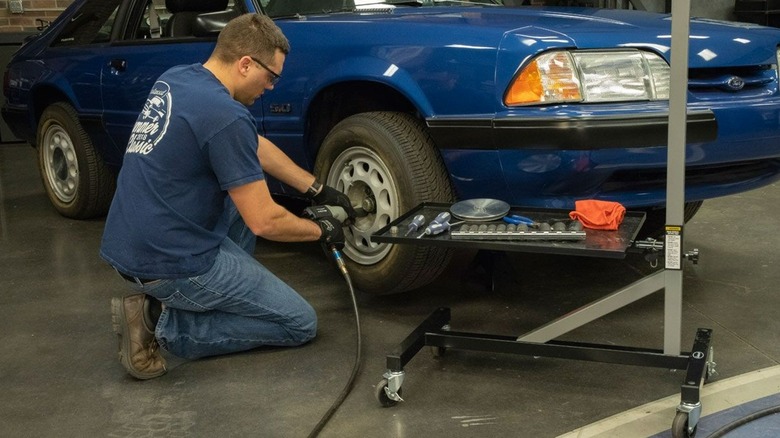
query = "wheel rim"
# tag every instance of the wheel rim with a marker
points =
(364, 177)
(60, 163)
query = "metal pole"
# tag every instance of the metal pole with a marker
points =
(675, 183)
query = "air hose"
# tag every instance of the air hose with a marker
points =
(744, 420)
(358, 347)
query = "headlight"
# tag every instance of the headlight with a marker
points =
(590, 76)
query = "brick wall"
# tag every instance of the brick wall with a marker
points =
(25, 22)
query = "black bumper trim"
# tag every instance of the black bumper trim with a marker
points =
(569, 133)
(12, 120)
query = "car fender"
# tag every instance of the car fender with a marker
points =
(371, 70)
(41, 93)
(52, 87)
(40, 87)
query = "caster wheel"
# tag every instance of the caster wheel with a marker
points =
(381, 395)
(438, 351)
(680, 426)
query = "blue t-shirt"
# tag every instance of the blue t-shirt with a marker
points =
(191, 143)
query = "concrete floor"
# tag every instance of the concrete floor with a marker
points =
(60, 375)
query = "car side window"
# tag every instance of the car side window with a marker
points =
(203, 18)
(92, 24)
(154, 18)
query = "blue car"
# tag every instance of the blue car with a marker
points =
(400, 102)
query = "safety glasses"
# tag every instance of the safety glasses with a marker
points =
(275, 76)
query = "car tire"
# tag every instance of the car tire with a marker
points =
(655, 221)
(385, 162)
(77, 181)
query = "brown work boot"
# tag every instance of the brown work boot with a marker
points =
(138, 349)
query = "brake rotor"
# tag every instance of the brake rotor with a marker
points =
(479, 210)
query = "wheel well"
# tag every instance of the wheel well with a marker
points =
(340, 101)
(44, 96)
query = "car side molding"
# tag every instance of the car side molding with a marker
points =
(568, 133)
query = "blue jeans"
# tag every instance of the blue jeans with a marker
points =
(236, 305)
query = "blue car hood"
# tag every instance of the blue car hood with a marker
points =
(712, 42)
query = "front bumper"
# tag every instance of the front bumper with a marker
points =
(551, 160)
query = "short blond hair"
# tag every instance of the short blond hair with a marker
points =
(255, 35)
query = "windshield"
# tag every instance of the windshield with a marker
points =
(293, 8)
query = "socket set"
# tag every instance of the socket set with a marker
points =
(559, 230)
(546, 231)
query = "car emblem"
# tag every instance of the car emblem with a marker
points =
(280, 108)
(735, 83)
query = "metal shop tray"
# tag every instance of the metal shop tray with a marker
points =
(597, 243)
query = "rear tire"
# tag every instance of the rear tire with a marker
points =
(77, 181)
(389, 159)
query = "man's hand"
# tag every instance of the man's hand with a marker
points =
(330, 196)
(330, 226)
(332, 233)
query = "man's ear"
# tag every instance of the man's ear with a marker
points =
(244, 65)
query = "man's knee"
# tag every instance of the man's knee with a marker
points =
(307, 330)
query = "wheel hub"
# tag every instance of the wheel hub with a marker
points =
(60, 163)
(368, 183)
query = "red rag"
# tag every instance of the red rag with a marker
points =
(598, 215)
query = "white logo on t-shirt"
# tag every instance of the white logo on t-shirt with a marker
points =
(151, 125)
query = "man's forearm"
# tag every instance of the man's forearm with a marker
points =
(268, 219)
(277, 164)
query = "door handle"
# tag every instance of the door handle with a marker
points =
(118, 64)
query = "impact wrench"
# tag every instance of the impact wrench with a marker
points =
(320, 211)
(339, 213)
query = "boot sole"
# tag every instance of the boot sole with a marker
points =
(120, 328)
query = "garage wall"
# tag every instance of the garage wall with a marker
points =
(718, 9)
(11, 21)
